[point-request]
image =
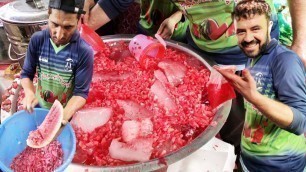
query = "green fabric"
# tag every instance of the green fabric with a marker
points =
(154, 12)
(286, 33)
(56, 48)
(211, 24)
(60, 83)
(274, 141)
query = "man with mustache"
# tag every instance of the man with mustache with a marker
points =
(274, 94)
(62, 60)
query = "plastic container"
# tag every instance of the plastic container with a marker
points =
(15, 130)
(91, 37)
(144, 47)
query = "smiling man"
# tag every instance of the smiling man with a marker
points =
(61, 59)
(274, 90)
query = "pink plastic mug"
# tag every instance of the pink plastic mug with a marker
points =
(143, 47)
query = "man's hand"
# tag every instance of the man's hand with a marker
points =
(245, 85)
(88, 4)
(167, 27)
(29, 102)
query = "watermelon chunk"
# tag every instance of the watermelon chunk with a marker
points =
(89, 119)
(47, 130)
(111, 76)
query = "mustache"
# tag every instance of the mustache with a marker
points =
(245, 44)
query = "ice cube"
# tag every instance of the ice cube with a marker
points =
(146, 127)
(158, 74)
(89, 119)
(137, 150)
(175, 71)
(162, 96)
(130, 130)
(134, 110)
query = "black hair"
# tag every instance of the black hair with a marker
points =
(248, 8)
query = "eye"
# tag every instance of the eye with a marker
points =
(240, 32)
(54, 24)
(67, 27)
(256, 28)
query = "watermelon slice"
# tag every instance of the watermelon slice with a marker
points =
(47, 130)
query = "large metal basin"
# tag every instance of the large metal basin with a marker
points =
(203, 138)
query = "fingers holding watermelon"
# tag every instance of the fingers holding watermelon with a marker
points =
(49, 129)
(30, 101)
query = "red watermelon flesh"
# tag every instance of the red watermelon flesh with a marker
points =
(170, 130)
(46, 132)
(44, 159)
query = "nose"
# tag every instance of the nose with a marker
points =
(59, 33)
(248, 37)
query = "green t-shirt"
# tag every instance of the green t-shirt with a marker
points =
(211, 23)
(154, 12)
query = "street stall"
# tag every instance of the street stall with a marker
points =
(153, 104)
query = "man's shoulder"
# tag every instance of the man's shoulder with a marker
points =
(282, 53)
(286, 60)
(39, 36)
(84, 46)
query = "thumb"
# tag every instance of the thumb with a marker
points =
(160, 29)
(246, 74)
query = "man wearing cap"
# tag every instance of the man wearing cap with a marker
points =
(62, 60)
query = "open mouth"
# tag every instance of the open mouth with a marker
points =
(250, 47)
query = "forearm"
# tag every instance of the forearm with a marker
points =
(97, 17)
(177, 16)
(27, 86)
(73, 105)
(277, 112)
(298, 15)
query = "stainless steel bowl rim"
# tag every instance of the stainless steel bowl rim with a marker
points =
(155, 164)
(23, 13)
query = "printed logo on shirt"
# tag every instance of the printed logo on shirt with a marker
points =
(68, 66)
(43, 59)
(258, 79)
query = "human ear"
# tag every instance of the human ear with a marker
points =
(270, 26)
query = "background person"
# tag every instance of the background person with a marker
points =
(152, 15)
(274, 90)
